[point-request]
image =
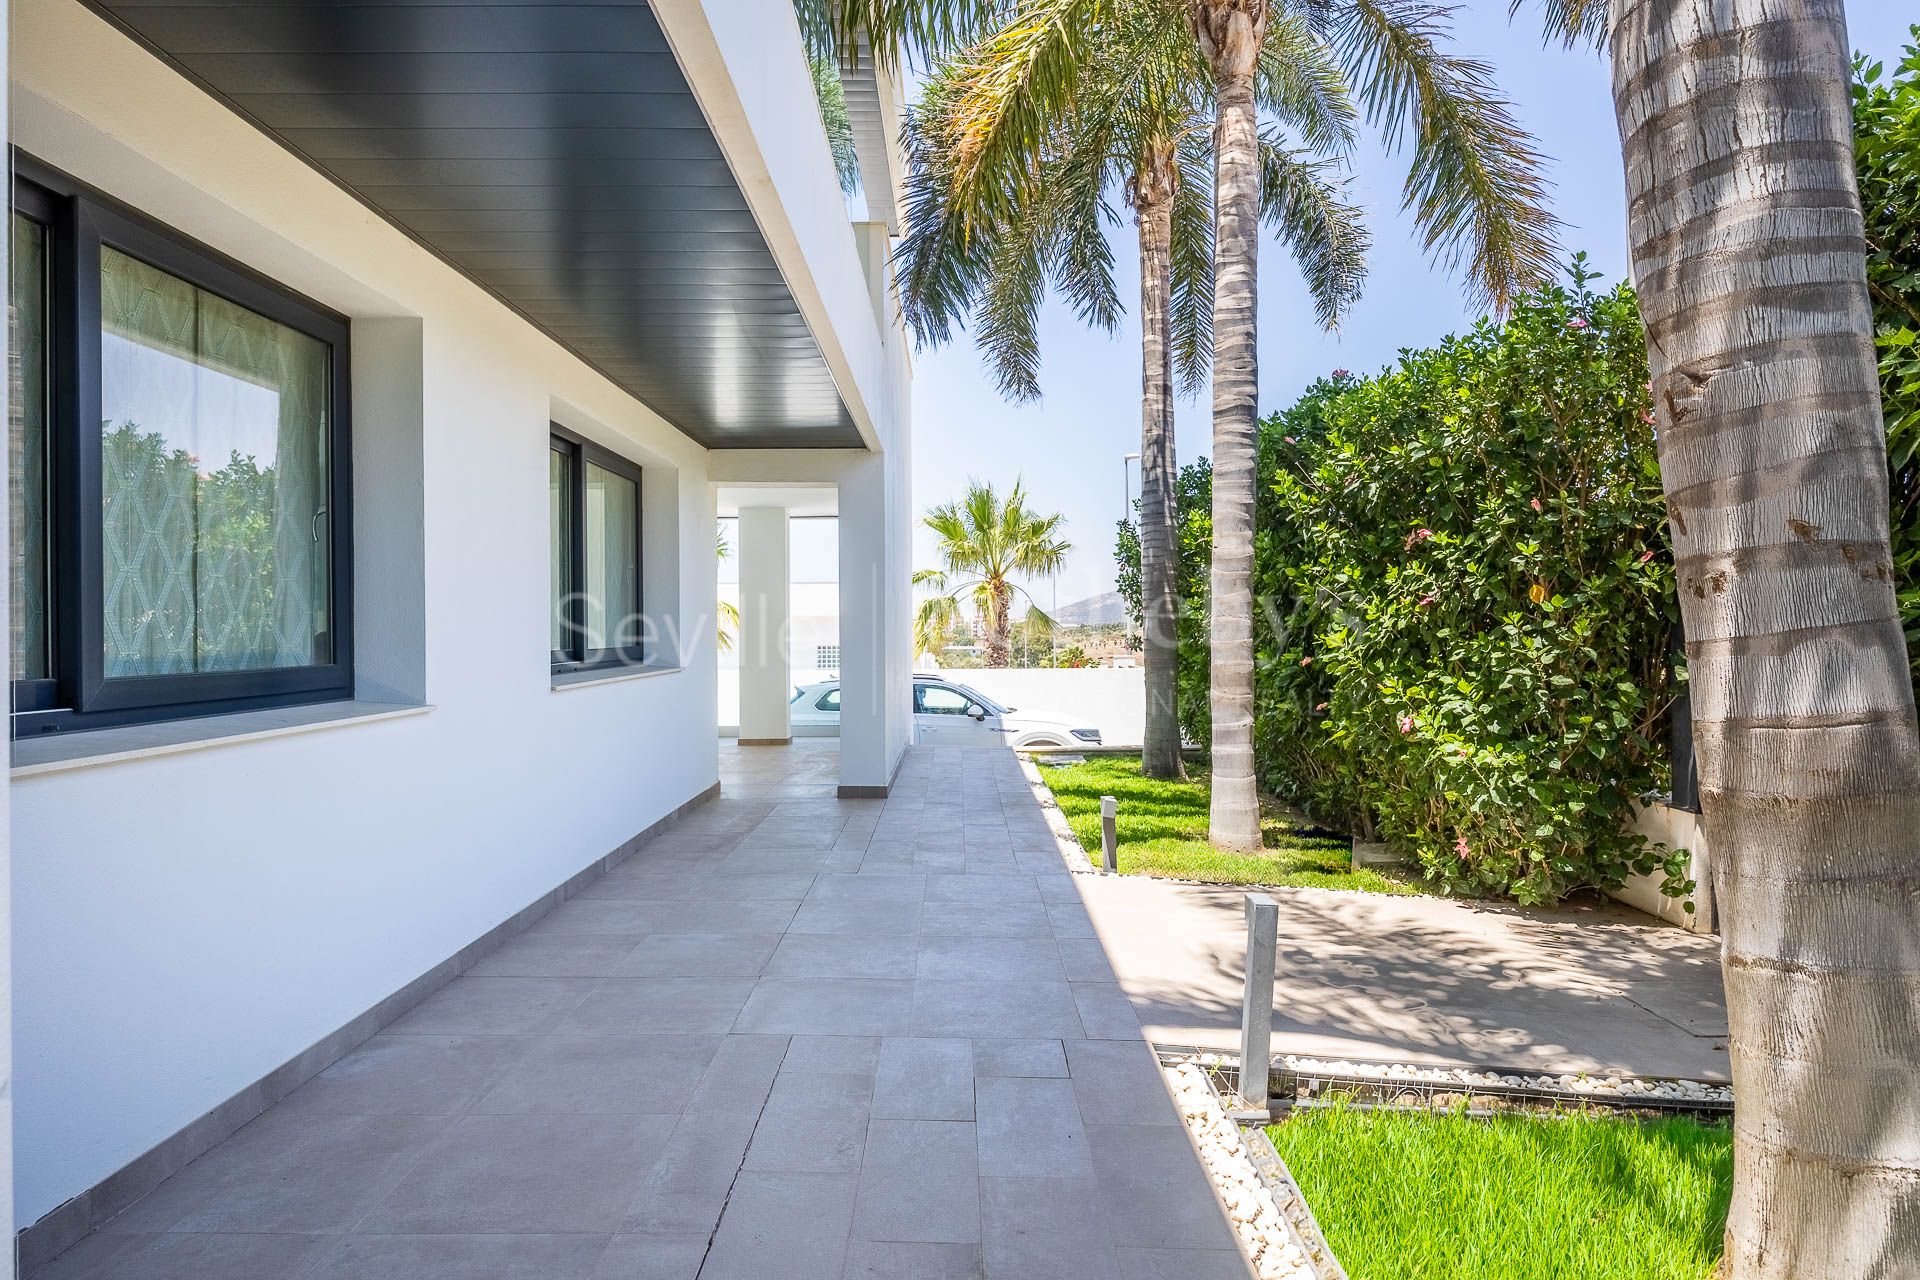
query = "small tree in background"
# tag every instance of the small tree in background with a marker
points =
(984, 544)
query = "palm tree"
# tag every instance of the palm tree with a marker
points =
(988, 233)
(984, 544)
(729, 612)
(1473, 187)
(1745, 229)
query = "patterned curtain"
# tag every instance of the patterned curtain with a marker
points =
(212, 563)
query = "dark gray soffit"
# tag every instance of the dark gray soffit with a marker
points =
(555, 154)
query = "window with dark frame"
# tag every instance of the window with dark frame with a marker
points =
(594, 504)
(180, 491)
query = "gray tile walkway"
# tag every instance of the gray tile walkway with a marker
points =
(794, 1037)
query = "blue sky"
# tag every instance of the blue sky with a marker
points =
(1069, 446)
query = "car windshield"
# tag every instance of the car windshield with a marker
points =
(979, 697)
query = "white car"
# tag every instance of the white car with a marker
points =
(949, 714)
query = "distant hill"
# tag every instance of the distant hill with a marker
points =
(1104, 610)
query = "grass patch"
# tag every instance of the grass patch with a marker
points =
(1431, 1196)
(1163, 832)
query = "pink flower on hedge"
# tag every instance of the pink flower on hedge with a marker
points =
(1535, 504)
(1406, 724)
(1578, 322)
(1646, 556)
(1320, 707)
(1289, 439)
(1460, 846)
(1418, 535)
(1339, 373)
(1426, 602)
(1646, 416)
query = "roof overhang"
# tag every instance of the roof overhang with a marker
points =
(558, 156)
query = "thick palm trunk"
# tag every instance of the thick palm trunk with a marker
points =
(1747, 249)
(1159, 542)
(1000, 627)
(1230, 33)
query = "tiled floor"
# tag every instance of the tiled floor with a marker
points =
(794, 1037)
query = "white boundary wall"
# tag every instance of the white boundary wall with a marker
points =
(1110, 699)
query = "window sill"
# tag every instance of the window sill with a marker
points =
(60, 753)
(562, 681)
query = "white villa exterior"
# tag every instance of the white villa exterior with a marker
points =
(213, 897)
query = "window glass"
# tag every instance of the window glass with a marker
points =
(613, 569)
(938, 700)
(829, 701)
(980, 699)
(213, 480)
(560, 557)
(27, 450)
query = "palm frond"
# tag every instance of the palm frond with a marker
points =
(1073, 181)
(831, 96)
(1299, 81)
(1304, 201)
(1014, 86)
(1572, 22)
(933, 28)
(1036, 616)
(1475, 185)
(943, 255)
(819, 32)
(1009, 311)
(1190, 260)
(936, 616)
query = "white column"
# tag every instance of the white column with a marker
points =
(765, 608)
(875, 641)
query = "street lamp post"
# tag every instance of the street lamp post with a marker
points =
(1126, 514)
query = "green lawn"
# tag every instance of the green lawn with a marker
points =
(1426, 1196)
(1163, 832)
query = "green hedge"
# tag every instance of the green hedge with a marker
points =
(1478, 592)
(1483, 679)
(1466, 600)
(1886, 128)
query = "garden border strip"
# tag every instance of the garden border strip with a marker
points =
(1297, 1249)
(1064, 840)
(1409, 1086)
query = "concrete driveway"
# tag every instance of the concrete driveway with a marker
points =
(1422, 980)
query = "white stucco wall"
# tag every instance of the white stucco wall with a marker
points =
(1676, 829)
(1110, 699)
(186, 923)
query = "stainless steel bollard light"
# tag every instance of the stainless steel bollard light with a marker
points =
(1256, 1010)
(1109, 835)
